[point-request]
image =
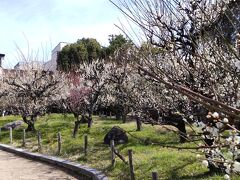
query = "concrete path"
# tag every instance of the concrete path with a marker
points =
(13, 167)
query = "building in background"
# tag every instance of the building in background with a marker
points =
(52, 64)
(33, 65)
(1, 69)
(1, 58)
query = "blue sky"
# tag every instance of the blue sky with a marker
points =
(39, 25)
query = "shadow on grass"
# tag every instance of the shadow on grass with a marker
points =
(56, 126)
(111, 122)
(107, 169)
(174, 171)
(101, 144)
(94, 154)
(146, 142)
(82, 158)
(205, 175)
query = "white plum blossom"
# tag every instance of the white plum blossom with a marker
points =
(218, 156)
(227, 177)
(225, 120)
(237, 64)
(236, 166)
(208, 116)
(205, 163)
(237, 139)
(215, 115)
(215, 132)
(219, 125)
(233, 139)
(228, 168)
(201, 125)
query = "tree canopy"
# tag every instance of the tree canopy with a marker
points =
(115, 42)
(86, 50)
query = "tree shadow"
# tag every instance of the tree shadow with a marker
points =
(110, 122)
(174, 171)
(109, 168)
(205, 175)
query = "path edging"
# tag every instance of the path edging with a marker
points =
(66, 164)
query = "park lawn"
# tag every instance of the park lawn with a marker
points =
(167, 162)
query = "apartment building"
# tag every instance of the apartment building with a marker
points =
(52, 64)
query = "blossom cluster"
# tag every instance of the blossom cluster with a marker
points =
(221, 151)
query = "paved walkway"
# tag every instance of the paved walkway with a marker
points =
(13, 167)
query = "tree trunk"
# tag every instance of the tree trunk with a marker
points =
(124, 118)
(139, 124)
(124, 114)
(76, 126)
(90, 121)
(30, 122)
(118, 112)
(118, 116)
(182, 132)
(31, 126)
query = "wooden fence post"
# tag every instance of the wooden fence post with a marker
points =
(154, 176)
(10, 135)
(85, 144)
(130, 157)
(112, 152)
(24, 138)
(59, 137)
(39, 141)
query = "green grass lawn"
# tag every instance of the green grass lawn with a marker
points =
(167, 162)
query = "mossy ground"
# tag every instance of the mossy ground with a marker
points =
(167, 162)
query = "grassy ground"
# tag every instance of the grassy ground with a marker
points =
(169, 163)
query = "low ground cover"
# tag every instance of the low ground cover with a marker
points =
(169, 163)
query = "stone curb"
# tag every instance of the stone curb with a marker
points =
(62, 163)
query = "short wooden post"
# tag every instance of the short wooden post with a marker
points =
(24, 138)
(39, 141)
(85, 144)
(10, 135)
(154, 176)
(0, 133)
(112, 152)
(59, 137)
(130, 157)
